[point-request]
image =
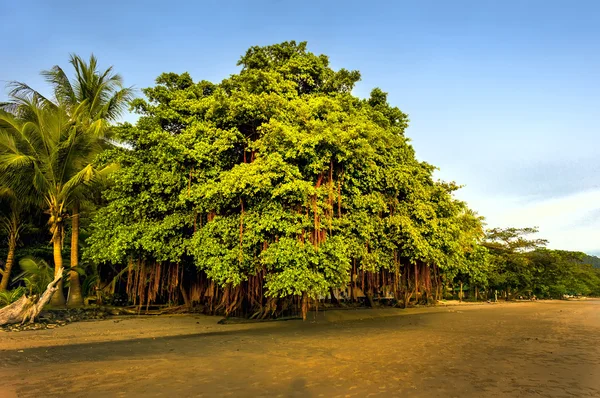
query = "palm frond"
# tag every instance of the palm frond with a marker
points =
(8, 120)
(118, 103)
(36, 273)
(9, 161)
(10, 107)
(63, 90)
(21, 94)
(84, 176)
(47, 147)
(10, 296)
(6, 192)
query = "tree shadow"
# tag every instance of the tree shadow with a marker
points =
(298, 388)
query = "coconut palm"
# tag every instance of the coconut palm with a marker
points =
(47, 154)
(97, 98)
(11, 223)
(92, 99)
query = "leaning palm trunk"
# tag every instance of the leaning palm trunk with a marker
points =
(75, 298)
(13, 228)
(27, 308)
(10, 259)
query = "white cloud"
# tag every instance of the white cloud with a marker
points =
(569, 222)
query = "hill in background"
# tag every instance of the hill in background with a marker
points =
(593, 260)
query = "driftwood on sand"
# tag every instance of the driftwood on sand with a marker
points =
(26, 309)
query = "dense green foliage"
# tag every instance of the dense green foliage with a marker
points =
(47, 153)
(278, 171)
(523, 266)
(277, 187)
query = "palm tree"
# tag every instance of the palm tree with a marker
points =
(11, 222)
(45, 153)
(93, 99)
(94, 96)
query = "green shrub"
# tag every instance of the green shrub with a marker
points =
(10, 296)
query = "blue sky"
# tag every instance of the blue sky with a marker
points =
(503, 96)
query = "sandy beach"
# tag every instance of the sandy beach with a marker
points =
(530, 349)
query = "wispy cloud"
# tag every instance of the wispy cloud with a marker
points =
(570, 222)
(558, 194)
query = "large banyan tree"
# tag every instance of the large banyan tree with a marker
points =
(274, 188)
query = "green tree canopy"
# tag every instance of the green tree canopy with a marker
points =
(277, 172)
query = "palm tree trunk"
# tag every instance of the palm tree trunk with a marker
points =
(75, 299)
(10, 259)
(58, 298)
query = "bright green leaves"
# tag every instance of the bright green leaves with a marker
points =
(218, 250)
(297, 267)
(279, 171)
(249, 181)
(308, 72)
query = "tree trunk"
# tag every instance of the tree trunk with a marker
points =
(186, 299)
(334, 299)
(75, 299)
(26, 309)
(370, 302)
(476, 293)
(460, 294)
(416, 284)
(407, 297)
(58, 298)
(304, 306)
(10, 259)
(353, 282)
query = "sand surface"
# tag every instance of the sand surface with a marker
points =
(540, 349)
